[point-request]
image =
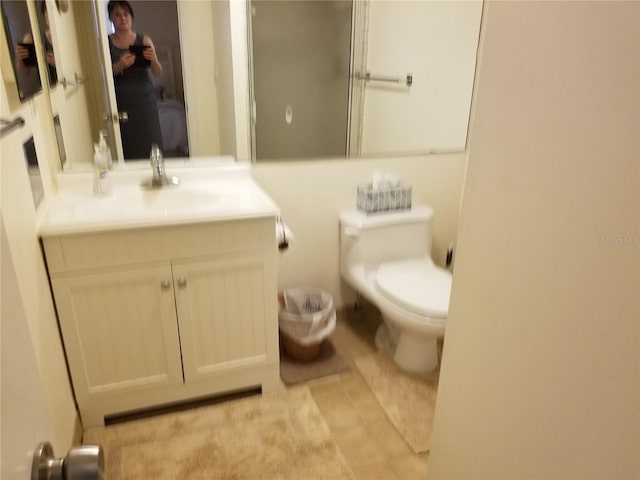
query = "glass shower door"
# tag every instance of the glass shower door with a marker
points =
(301, 63)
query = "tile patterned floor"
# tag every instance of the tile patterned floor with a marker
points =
(371, 444)
(373, 447)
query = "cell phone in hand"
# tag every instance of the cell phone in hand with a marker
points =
(30, 61)
(138, 50)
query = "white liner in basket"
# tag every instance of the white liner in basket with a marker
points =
(308, 315)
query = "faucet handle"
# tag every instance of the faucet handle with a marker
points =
(159, 178)
(157, 163)
(156, 154)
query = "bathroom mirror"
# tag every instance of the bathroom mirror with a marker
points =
(149, 94)
(19, 35)
(382, 112)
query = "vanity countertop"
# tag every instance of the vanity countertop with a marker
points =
(205, 194)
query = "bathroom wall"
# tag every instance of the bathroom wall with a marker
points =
(540, 376)
(34, 304)
(311, 195)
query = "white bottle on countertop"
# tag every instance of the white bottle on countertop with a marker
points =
(101, 180)
(104, 148)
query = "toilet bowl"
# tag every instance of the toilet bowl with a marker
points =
(386, 258)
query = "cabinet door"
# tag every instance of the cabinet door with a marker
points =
(221, 309)
(120, 330)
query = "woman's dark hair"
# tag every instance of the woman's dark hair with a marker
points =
(124, 4)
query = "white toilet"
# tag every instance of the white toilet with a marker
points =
(387, 259)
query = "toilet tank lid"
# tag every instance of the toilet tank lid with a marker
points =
(362, 221)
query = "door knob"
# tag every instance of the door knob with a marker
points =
(165, 284)
(182, 282)
(83, 462)
(116, 117)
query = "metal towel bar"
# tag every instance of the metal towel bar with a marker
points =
(369, 77)
(9, 125)
(79, 80)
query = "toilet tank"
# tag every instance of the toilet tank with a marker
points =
(373, 239)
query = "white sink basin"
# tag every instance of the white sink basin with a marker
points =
(204, 194)
(180, 197)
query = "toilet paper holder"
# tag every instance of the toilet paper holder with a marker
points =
(281, 235)
(82, 462)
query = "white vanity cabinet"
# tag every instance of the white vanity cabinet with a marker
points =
(155, 316)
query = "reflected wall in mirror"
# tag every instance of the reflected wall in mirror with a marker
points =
(405, 89)
(47, 41)
(17, 27)
(35, 178)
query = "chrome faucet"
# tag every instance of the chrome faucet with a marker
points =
(157, 164)
(159, 178)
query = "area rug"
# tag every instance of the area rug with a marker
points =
(329, 362)
(408, 400)
(279, 435)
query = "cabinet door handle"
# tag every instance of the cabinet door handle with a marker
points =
(165, 284)
(182, 282)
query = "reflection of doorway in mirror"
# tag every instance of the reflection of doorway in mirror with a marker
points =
(208, 77)
(159, 21)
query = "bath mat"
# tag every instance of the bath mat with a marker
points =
(328, 362)
(408, 400)
(279, 435)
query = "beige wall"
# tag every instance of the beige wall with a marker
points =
(312, 194)
(540, 376)
(34, 304)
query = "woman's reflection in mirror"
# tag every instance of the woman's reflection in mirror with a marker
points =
(26, 53)
(133, 55)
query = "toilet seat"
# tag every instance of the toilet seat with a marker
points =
(416, 285)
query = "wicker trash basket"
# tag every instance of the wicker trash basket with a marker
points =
(306, 318)
(299, 352)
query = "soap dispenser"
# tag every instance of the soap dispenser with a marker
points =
(104, 148)
(101, 180)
